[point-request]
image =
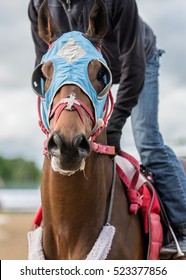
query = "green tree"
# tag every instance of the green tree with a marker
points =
(19, 171)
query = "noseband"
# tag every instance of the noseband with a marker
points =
(70, 103)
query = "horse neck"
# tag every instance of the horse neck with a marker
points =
(72, 205)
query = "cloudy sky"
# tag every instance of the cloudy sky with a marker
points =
(20, 135)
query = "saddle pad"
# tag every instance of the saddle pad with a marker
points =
(99, 251)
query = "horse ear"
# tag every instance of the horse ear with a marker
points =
(98, 20)
(46, 25)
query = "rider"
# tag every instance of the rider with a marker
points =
(130, 46)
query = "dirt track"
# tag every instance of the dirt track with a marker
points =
(13, 235)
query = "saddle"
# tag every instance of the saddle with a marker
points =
(142, 195)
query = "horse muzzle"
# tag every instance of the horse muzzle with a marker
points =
(68, 156)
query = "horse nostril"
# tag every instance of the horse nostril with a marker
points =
(55, 143)
(81, 143)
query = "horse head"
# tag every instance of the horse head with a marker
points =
(72, 81)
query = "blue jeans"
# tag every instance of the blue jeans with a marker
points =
(168, 173)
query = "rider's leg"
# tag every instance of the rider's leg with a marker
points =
(169, 176)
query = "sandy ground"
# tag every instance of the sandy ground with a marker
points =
(13, 235)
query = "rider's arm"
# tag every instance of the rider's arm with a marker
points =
(131, 50)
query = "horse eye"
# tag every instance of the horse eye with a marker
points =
(100, 76)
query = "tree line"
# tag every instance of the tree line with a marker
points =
(18, 172)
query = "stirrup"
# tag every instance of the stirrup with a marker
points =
(179, 251)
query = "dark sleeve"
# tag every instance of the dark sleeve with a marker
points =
(40, 46)
(132, 58)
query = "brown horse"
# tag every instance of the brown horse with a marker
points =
(78, 200)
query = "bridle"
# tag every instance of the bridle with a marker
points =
(71, 103)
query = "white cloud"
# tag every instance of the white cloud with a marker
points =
(172, 115)
(168, 21)
(20, 134)
(16, 48)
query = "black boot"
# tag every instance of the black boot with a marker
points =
(168, 251)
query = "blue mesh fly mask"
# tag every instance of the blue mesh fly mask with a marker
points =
(71, 55)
